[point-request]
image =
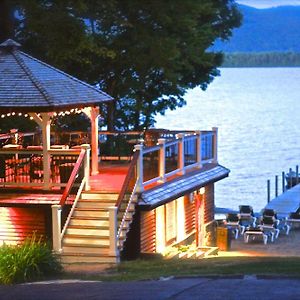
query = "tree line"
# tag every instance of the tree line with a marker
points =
(261, 59)
(145, 54)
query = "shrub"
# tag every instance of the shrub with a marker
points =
(29, 261)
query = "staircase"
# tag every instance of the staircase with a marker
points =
(86, 239)
(191, 252)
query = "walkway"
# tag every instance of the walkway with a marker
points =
(287, 202)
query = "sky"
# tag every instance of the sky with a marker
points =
(268, 3)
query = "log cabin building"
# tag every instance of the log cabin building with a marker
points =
(91, 210)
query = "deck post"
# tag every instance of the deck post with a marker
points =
(93, 114)
(162, 159)
(215, 144)
(198, 147)
(86, 166)
(113, 229)
(44, 121)
(180, 137)
(139, 171)
(297, 174)
(56, 227)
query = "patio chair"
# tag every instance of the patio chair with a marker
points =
(246, 216)
(269, 225)
(253, 233)
(293, 219)
(233, 222)
(281, 223)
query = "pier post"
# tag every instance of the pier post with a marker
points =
(283, 182)
(268, 190)
(276, 185)
(297, 174)
(290, 182)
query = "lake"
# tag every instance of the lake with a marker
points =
(257, 111)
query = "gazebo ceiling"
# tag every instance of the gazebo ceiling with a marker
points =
(30, 85)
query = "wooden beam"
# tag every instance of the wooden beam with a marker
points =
(93, 113)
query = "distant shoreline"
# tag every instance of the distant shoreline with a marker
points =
(261, 59)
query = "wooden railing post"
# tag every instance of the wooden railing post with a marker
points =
(180, 137)
(162, 159)
(86, 166)
(56, 227)
(198, 148)
(140, 174)
(113, 229)
(215, 144)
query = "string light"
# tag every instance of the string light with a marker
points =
(55, 114)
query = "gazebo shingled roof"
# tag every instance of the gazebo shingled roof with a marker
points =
(30, 85)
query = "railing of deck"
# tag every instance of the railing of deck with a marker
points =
(117, 145)
(175, 157)
(24, 167)
(77, 182)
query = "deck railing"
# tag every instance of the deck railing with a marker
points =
(77, 182)
(168, 158)
(24, 167)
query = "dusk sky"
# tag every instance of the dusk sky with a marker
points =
(268, 3)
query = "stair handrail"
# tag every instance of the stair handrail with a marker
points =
(57, 231)
(73, 207)
(72, 178)
(129, 176)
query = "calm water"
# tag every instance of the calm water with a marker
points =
(258, 115)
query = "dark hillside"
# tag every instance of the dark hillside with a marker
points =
(266, 30)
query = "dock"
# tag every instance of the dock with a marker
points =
(287, 202)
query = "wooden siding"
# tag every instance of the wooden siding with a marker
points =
(148, 232)
(189, 210)
(16, 224)
(209, 203)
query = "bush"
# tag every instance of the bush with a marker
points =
(29, 261)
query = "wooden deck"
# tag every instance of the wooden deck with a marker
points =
(110, 178)
(287, 202)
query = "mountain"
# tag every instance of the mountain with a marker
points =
(265, 30)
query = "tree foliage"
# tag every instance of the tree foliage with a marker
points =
(145, 54)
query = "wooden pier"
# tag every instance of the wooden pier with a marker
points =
(287, 202)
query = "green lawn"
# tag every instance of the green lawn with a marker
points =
(156, 268)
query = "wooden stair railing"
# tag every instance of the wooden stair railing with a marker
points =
(61, 214)
(129, 187)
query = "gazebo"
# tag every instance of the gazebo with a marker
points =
(28, 85)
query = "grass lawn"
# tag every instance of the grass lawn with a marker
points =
(156, 268)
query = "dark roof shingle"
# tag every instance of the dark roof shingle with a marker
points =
(28, 84)
(183, 185)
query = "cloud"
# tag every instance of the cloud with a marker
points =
(268, 3)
